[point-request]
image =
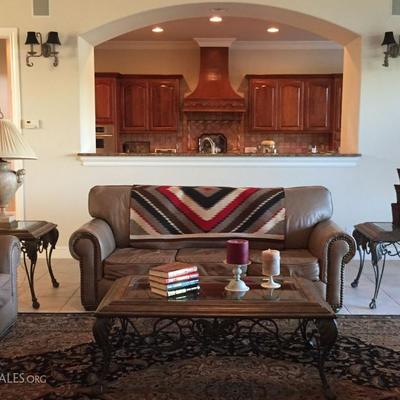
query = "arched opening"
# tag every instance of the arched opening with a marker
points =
(349, 40)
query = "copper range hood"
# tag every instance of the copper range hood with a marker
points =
(214, 92)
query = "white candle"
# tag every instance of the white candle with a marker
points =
(271, 262)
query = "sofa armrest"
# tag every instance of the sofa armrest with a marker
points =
(91, 244)
(10, 252)
(334, 248)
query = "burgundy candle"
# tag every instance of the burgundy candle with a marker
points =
(237, 252)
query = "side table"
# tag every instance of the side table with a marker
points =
(379, 239)
(35, 237)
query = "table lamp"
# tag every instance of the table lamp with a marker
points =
(12, 147)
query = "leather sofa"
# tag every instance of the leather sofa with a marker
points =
(314, 246)
(9, 261)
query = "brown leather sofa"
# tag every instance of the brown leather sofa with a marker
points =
(9, 261)
(314, 246)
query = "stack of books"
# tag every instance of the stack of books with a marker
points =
(174, 279)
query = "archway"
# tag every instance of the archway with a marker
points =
(348, 39)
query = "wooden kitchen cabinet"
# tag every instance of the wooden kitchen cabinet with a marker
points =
(106, 99)
(149, 104)
(294, 103)
(290, 104)
(318, 105)
(263, 104)
(133, 105)
(163, 104)
(337, 110)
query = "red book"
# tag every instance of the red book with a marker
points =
(179, 278)
(172, 270)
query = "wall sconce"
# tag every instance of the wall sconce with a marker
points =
(47, 49)
(392, 49)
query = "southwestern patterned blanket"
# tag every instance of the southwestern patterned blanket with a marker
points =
(184, 210)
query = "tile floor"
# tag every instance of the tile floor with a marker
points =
(66, 298)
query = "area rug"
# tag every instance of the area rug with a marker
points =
(53, 356)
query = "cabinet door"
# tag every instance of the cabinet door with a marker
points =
(290, 106)
(105, 94)
(164, 104)
(262, 104)
(337, 111)
(318, 104)
(134, 105)
(337, 107)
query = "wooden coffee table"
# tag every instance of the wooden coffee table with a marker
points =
(218, 318)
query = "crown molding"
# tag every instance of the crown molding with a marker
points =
(287, 45)
(237, 45)
(214, 42)
(146, 45)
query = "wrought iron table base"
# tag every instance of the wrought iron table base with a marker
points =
(378, 252)
(30, 249)
(221, 336)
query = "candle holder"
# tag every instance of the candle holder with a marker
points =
(236, 284)
(269, 283)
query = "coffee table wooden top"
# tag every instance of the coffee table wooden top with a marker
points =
(297, 298)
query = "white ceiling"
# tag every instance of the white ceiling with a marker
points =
(243, 29)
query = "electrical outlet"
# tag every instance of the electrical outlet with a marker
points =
(30, 124)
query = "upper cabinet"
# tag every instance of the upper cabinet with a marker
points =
(294, 103)
(164, 104)
(263, 105)
(290, 109)
(337, 110)
(318, 104)
(134, 105)
(106, 97)
(149, 104)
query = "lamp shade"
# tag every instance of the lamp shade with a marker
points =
(53, 38)
(388, 39)
(12, 143)
(31, 38)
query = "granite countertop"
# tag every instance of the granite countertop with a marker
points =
(219, 155)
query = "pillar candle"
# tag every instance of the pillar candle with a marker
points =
(271, 260)
(237, 252)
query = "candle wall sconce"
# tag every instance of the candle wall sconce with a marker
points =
(392, 48)
(47, 49)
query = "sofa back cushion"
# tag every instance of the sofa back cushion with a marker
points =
(304, 208)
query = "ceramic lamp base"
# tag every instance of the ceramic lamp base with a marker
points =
(7, 221)
(270, 284)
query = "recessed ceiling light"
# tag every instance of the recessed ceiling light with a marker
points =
(273, 29)
(215, 18)
(158, 29)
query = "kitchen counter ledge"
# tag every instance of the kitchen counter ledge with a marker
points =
(219, 160)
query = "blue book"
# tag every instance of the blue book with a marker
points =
(175, 285)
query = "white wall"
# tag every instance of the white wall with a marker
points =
(5, 90)
(57, 185)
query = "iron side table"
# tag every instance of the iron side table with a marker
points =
(35, 237)
(379, 239)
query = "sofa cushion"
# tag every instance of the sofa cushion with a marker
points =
(209, 261)
(298, 262)
(130, 261)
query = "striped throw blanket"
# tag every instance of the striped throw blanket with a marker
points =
(166, 211)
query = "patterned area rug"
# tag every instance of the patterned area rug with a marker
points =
(53, 357)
